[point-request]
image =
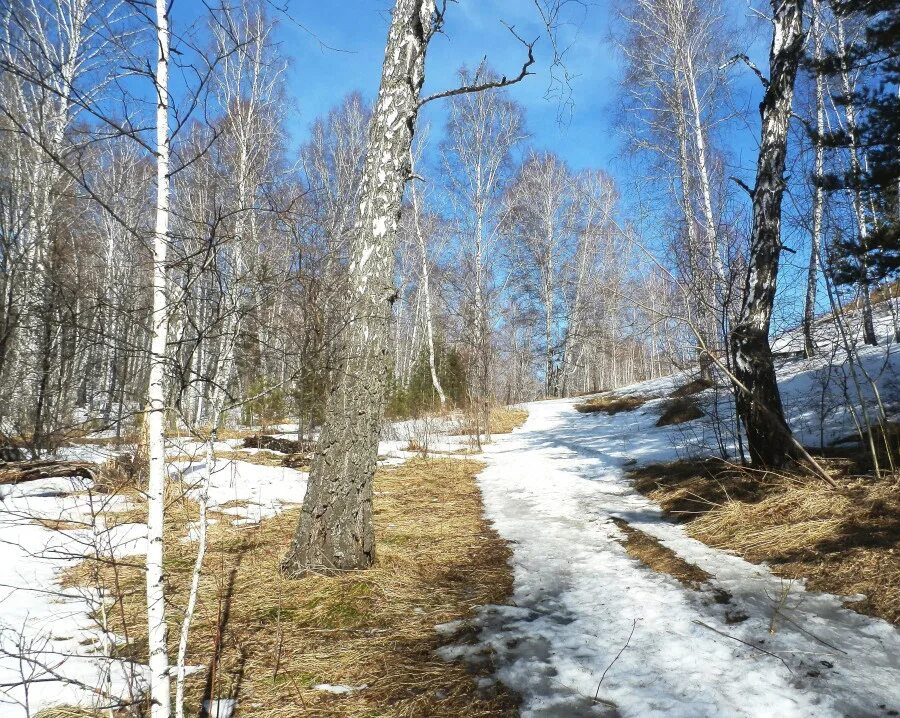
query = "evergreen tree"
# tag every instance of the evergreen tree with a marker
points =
(877, 101)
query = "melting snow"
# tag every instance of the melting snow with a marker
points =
(552, 489)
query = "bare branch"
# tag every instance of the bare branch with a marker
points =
(493, 84)
(741, 57)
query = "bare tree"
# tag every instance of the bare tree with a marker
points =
(812, 277)
(758, 400)
(482, 131)
(675, 95)
(335, 530)
(541, 216)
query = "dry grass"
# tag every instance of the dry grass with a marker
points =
(267, 640)
(65, 712)
(844, 541)
(679, 410)
(695, 386)
(504, 419)
(609, 404)
(649, 551)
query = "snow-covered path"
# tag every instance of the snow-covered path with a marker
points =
(552, 488)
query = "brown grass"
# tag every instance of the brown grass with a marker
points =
(694, 386)
(269, 640)
(649, 551)
(679, 411)
(844, 541)
(612, 404)
(504, 419)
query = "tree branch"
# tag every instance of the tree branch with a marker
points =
(743, 185)
(741, 57)
(493, 84)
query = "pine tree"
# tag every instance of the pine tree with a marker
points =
(878, 135)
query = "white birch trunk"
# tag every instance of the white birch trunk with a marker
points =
(156, 618)
(812, 276)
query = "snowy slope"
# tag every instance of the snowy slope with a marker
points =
(50, 626)
(46, 634)
(552, 489)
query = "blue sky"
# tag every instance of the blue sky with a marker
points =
(340, 47)
(320, 77)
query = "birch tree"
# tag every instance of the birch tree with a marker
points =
(157, 630)
(483, 130)
(335, 530)
(812, 276)
(758, 399)
(542, 214)
(674, 98)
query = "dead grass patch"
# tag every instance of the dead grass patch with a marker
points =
(612, 404)
(844, 541)
(505, 419)
(680, 411)
(694, 386)
(267, 640)
(649, 551)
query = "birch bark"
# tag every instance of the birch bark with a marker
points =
(809, 309)
(758, 401)
(156, 616)
(335, 530)
(426, 290)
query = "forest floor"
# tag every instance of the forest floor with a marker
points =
(618, 609)
(593, 562)
(361, 644)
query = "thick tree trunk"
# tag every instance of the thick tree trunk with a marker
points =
(758, 401)
(335, 531)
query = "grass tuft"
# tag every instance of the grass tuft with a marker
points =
(609, 404)
(679, 411)
(649, 551)
(844, 541)
(505, 419)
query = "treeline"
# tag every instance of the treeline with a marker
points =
(512, 275)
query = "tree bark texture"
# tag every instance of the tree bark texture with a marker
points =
(157, 629)
(758, 400)
(335, 531)
(812, 276)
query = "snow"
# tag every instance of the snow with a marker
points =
(338, 689)
(552, 489)
(827, 335)
(250, 492)
(221, 708)
(47, 625)
(590, 630)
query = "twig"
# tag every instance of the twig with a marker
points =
(812, 635)
(746, 643)
(621, 651)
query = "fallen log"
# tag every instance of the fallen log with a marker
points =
(17, 472)
(274, 443)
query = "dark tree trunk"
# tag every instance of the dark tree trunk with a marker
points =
(335, 530)
(759, 402)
